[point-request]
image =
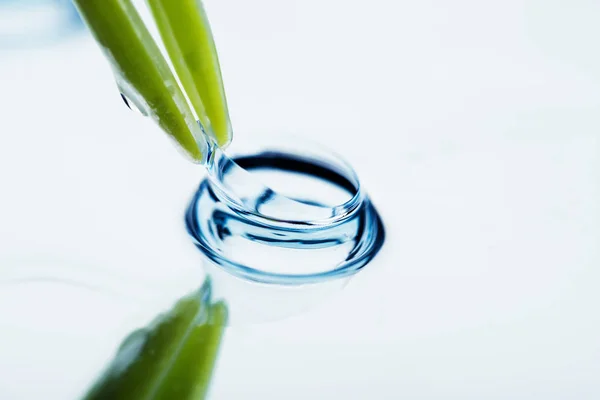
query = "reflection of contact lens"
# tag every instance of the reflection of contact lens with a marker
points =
(26, 23)
(59, 326)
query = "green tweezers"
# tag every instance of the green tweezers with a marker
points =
(145, 78)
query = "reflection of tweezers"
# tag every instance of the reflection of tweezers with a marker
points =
(172, 358)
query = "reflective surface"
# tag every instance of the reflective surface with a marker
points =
(61, 324)
(79, 331)
(486, 174)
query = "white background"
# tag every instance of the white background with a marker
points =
(474, 126)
